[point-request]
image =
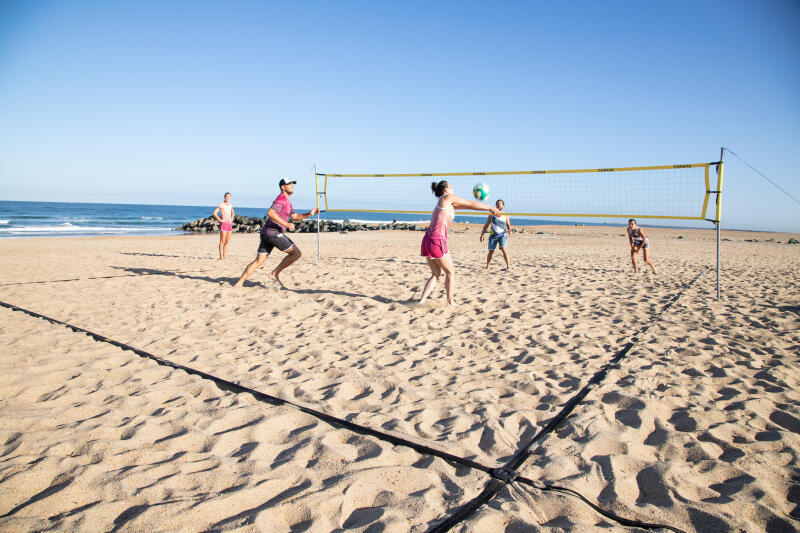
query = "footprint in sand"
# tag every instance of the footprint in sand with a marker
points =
(786, 421)
(681, 420)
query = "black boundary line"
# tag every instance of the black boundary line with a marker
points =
(508, 473)
(546, 487)
(229, 386)
(500, 476)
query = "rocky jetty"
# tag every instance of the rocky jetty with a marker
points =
(245, 224)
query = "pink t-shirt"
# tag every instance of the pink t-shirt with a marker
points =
(226, 210)
(283, 207)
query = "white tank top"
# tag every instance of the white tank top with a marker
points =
(498, 225)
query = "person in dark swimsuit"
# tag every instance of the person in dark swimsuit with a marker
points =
(639, 241)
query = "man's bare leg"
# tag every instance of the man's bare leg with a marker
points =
(259, 260)
(504, 249)
(293, 253)
(489, 258)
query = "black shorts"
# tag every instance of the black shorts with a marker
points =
(274, 239)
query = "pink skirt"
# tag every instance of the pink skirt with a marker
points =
(226, 226)
(434, 248)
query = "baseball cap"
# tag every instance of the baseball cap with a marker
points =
(284, 182)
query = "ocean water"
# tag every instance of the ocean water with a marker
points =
(68, 219)
(73, 219)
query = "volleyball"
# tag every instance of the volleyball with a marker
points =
(480, 191)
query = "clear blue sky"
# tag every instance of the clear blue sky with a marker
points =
(176, 102)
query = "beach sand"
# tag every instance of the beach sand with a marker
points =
(698, 427)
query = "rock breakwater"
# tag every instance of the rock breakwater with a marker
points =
(245, 224)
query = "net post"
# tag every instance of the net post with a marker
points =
(717, 218)
(316, 197)
(717, 225)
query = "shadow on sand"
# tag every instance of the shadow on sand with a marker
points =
(268, 285)
(481, 266)
(156, 272)
(167, 255)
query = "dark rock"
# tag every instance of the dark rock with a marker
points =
(245, 224)
(792, 241)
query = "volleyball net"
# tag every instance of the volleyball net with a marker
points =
(666, 192)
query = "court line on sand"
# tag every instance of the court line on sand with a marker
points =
(510, 469)
(500, 477)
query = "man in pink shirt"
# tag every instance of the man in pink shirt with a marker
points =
(280, 217)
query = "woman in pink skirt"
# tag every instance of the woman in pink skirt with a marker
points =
(434, 243)
(225, 224)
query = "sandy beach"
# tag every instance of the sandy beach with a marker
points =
(698, 427)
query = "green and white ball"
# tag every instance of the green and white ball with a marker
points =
(480, 191)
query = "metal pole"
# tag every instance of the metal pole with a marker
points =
(719, 207)
(717, 224)
(316, 187)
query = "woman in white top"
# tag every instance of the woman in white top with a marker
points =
(225, 224)
(639, 241)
